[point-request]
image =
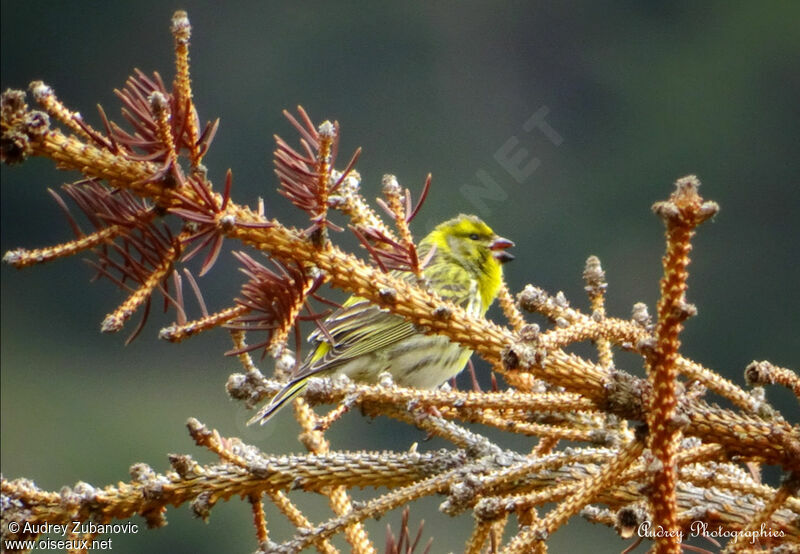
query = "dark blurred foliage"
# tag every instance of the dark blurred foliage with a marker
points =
(640, 93)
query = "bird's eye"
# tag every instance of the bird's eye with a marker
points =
(474, 236)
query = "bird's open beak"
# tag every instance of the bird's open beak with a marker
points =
(498, 247)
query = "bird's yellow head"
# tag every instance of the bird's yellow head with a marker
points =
(468, 243)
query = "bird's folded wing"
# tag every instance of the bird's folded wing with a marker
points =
(359, 328)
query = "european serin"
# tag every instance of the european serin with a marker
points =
(465, 268)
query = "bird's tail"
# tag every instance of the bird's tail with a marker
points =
(288, 393)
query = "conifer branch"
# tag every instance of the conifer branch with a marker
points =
(153, 208)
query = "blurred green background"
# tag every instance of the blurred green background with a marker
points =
(639, 93)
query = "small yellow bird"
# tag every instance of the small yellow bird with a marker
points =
(465, 268)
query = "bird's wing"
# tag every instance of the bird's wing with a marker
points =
(360, 327)
(357, 329)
